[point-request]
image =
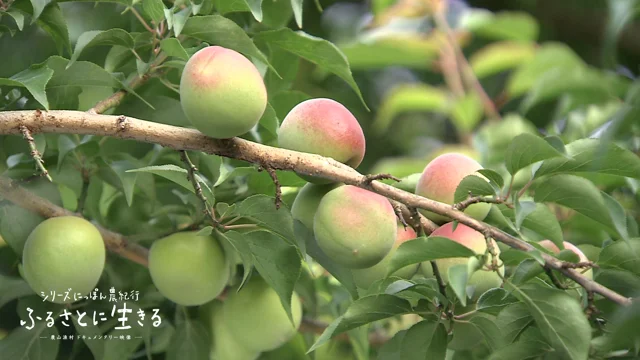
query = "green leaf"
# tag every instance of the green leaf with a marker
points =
(521, 350)
(34, 79)
(475, 185)
(262, 210)
(458, 276)
(525, 271)
(313, 49)
(53, 22)
(38, 7)
(493, 177)
(65, 146)
(500, 56)
(427, 249)
(466, 112)
(154, 9)
(97, 38)
(575, 193)
(544, 222)
(492, 334)
(89, 330)
(505, 25)
(173, 47)
(342, 274)
(623, 327)
(560, 319)
(494, 300)
(18, 17)
(23, 343)
(621, 255)
(424, 340)
(215, 29)
(526, 149)
(617, 214)
(364, 311)
(190, 342)
(254, 6)
(180, 19)
(296, 5)
(513, 320)
(178, 175)
(523, 209)
(592, 155)
(12, 288)
(414, 97)
(277, 262)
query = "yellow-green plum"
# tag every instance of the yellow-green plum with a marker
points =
(355, 227)
(365, 277)
(63, 254)
(324, 127)
(224, 345)
(256, 318)
(222, 93)
(306, 203)
(483, 279)
(440, 179)
(188, 269)
(549, 245)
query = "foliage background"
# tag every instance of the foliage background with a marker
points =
(561, 70)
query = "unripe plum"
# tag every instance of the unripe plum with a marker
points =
(256, 318)
(188, 269)
(222, 93)
(63, 253)
(224, 345)
(355, 227)
(440, 179)
(324, 127)
(365, 277)
(306, 203)
(482, 279)
(549, 245)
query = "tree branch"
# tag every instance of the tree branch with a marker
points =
(114, 242)
(76, 122)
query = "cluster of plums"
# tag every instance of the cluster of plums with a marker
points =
(223, 95)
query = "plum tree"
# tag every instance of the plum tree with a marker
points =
(222, 93)
(255, 316)
(324, 127)
(306, 203)
(63, 253)
(224, 345)
(481, 280)
(365, 277)
(440, 179)
(188, 269)
(549, 245)
(355, 227)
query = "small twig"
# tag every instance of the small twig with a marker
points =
(591, 307)
(142, 21)
(368, 179)
(449, 68)
(191, 175)
(115, 99)
(579, 265)
(554, 279)
(492, 251)
(274, 177)
(462, 316)
(35, 154)
(239, 226)
(524, 188)
(462, 205)
(397, 208)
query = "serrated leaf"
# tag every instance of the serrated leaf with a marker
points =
(180, 19)
(494, 300)
(22, 343)
(575, 193)
(12, 288)
(173, 47)
(190, 342)
(111, 37)
(178, 175)
(35, 80)
(592, 155)
(364, 311)
(313, 49)
(215, 29)
(38, 7)
(543, 221)
(277, 262)
(560, 319)
(525, 271)
(262, 210)
(513, 320)
(65, 145)
(523, 209)
(424, 340)
(458, 276)
(53, 22)
(205, 231)
(254, 6)
(493, 177)
(491, 332)
(18, 17)
(427, 249)
(475, 185)
(296, 5)
(621, 255)
(526, 149)
(154, 9)
(521, 350)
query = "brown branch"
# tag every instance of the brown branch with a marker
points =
(35, 154)
(372, 177)
(274, 177)
(75, 122)
(10, 190)
(191, 176)
(462, 205)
